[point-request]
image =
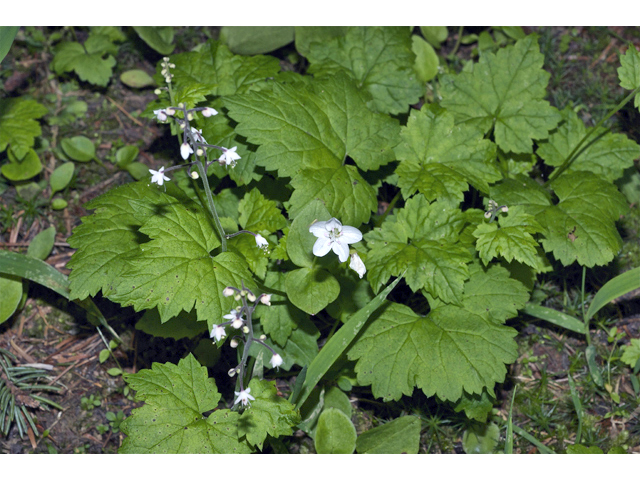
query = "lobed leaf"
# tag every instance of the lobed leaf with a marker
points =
(504, 92)
(18, 125)
(629, 72)
(443, 353)
(172, 420)
(380, 59)
(440, 160)
(581, 227)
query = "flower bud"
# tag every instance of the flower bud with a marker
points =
(227, 292)
(265, 299)
(208, 112)
(233, 343)
(251, 297)
(276, 361)
(237, 323)
(233, 371)
(245, 329)
(195, 175)
(263, 337)
(357, 265)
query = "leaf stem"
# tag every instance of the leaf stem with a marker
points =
(457, 45)
(575, 152)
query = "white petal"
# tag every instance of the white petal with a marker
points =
(319, 229)
(333, 224)
(350, 235)
(322, 247)
(342, 250)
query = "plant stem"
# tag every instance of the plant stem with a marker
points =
(584, 316)
(457, 45)
(572, 156)
(212, 208)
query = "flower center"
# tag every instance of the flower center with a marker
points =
(334, 234)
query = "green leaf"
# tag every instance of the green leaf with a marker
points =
(629, 72)
(269, 414)
(87, 61)
(11, 288)
(557, 318)
(107, 239)
(440, 160)
(7, 34)
(176, 270)
(221, 72)
(608, 157)
(335, 433)
(311, 289)
(336, 398)
(18, 125)
(401, 435)
(343, 191)
(59, 204)
(34, 269)
(435, 35)
(614, 288)
(427, 62)
(253, 40)
(300, 241)
(379, 59)
(61, 177)
(504, 91)
(126, 155)
(281, 318)
(315, 126)
(510, 237)
(521, 190)
(257, 214)
(158, 38)
(492, 291)
(631, 352)
(42, 244)
(79, 148)
(481, 438)
(581, 227)
(443, 353)
(136, 78)
(339, 342)
(172, 420)
(27, 167)
(306, 35)
(185, 325)
(583, 449)
(423, 240)
(476, 407)
(245, 246)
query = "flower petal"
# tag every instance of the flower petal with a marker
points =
(322, 247)
(319, 229)
(342, 250)
(350, 234)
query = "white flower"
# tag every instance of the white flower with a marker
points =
(161, 115)
(357, 265)
(185, 150)
(276, 360)
(333, 236)
(243, 396)
(158, 177)
(261, 241)
(227, 292)
(208, 112)
(229, 156)
(197, 134)
(217, 332)
(265, 299)
(235, 317)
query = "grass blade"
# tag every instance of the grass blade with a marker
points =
(508, 444)
(614, 288)
(543, 448)
(35, 270)
(557, 318)
(578, 406)
(340, 342)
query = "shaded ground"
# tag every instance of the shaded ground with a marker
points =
(48, 331)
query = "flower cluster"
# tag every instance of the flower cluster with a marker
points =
(192, 139)
(493, 209)
(240, 318)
